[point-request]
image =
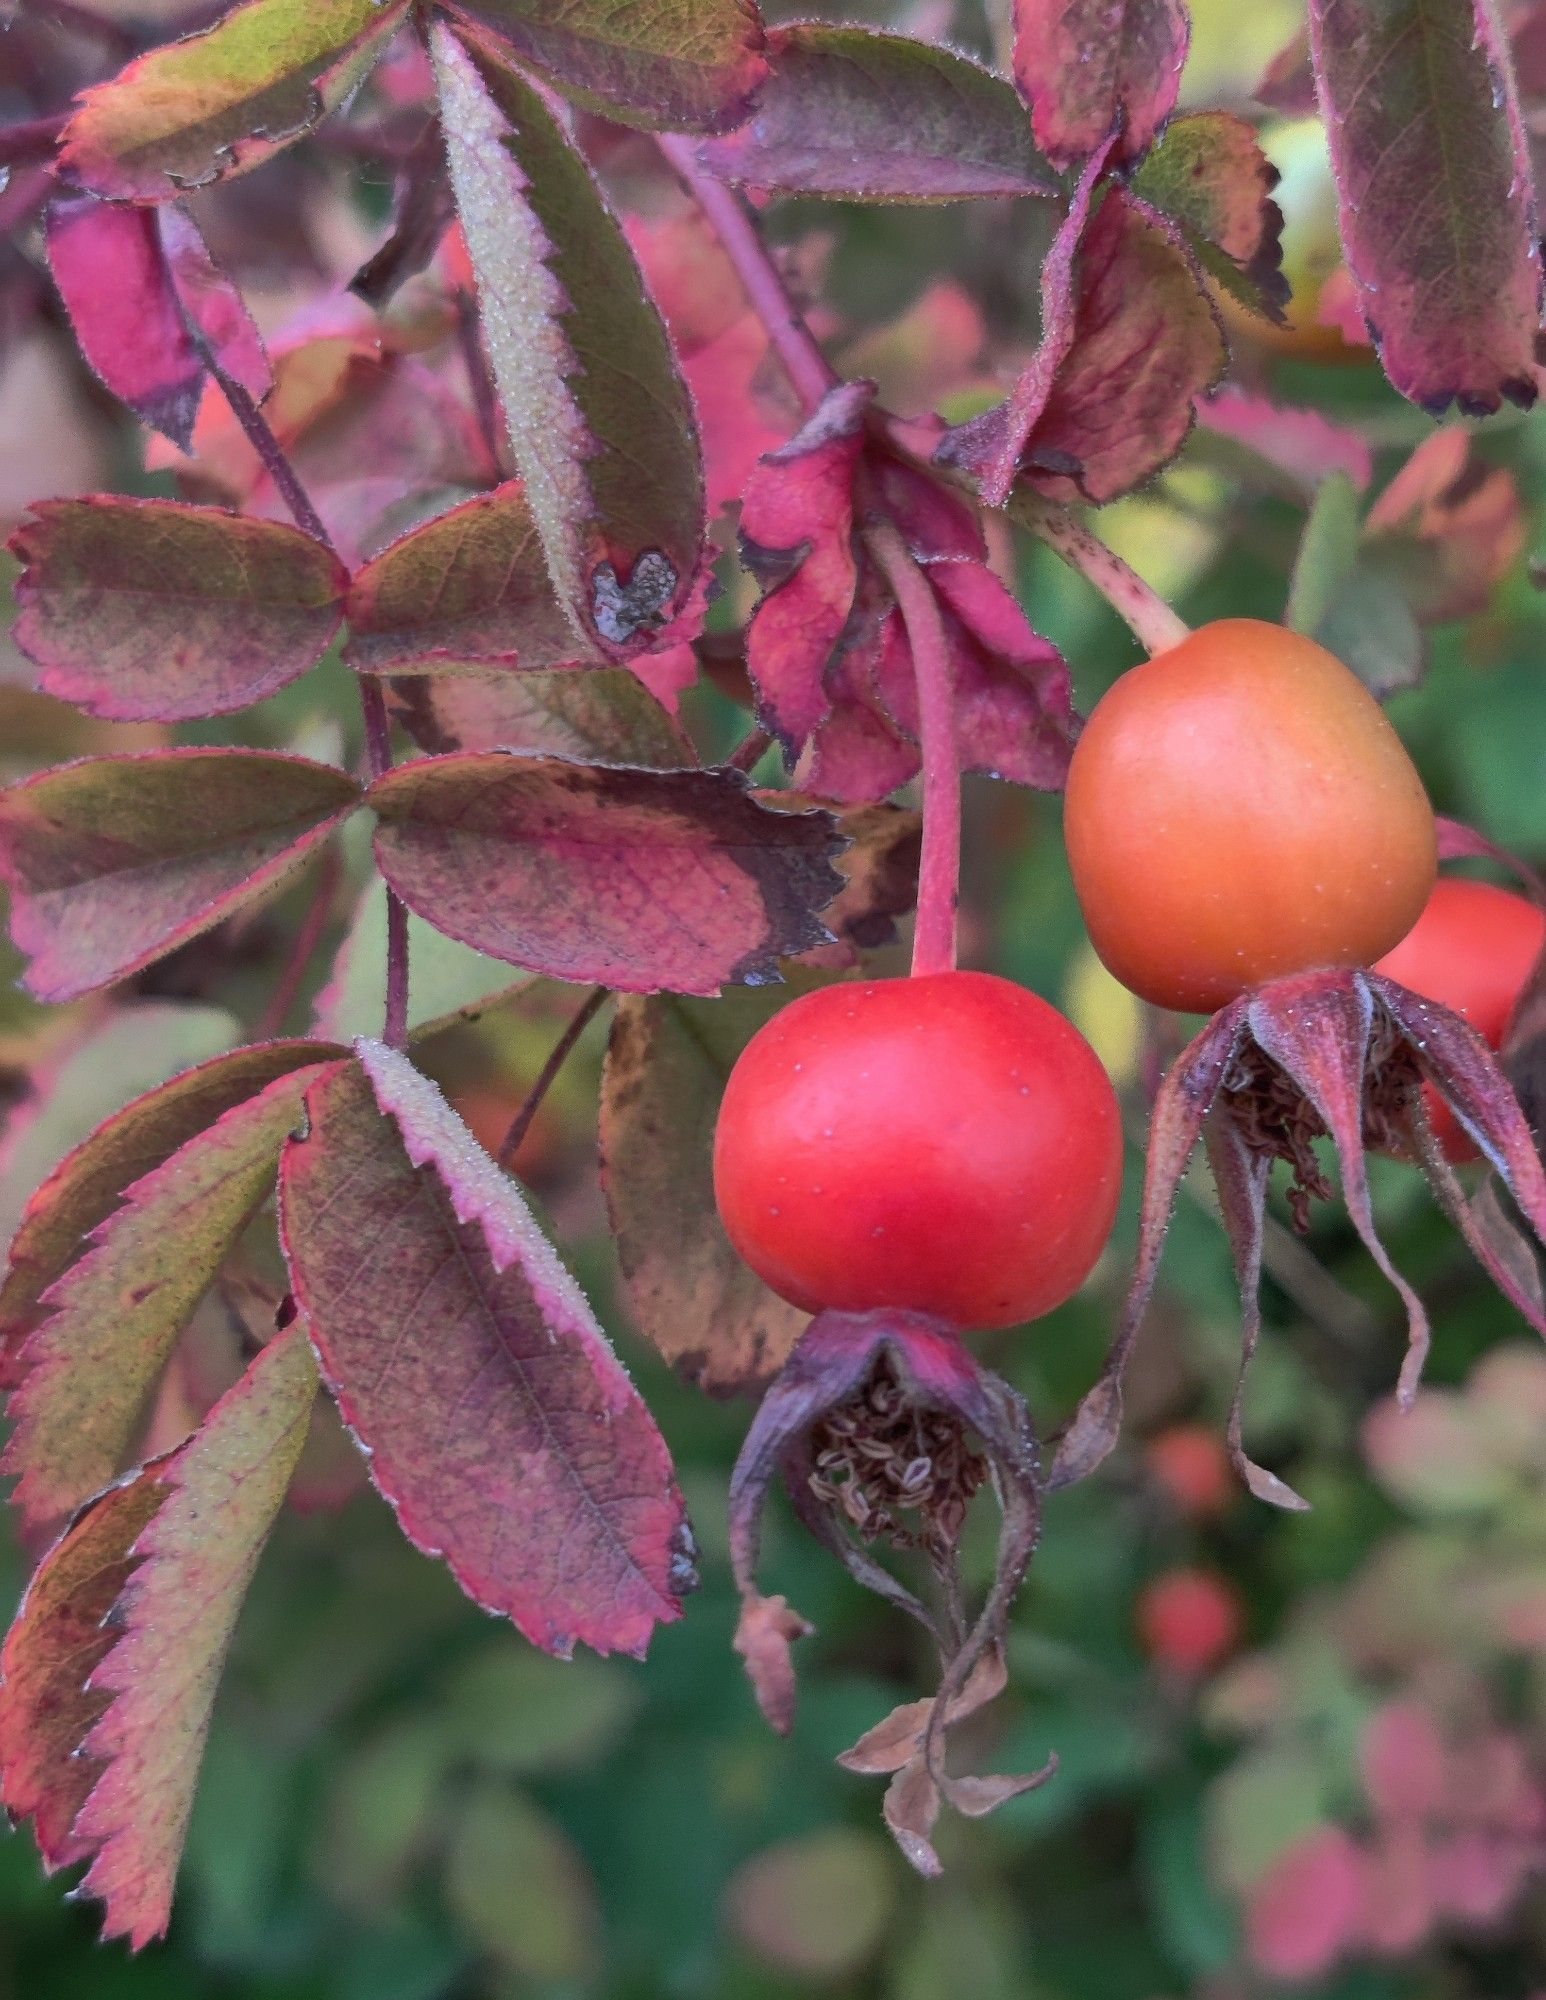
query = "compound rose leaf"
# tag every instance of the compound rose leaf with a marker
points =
(59, 1637)
(863, 116)
(150, 308)
(499, 1423)
(707, 1311)
(115, 1315)
(219, 1496)
(223, 101)
(114, 861)
(1436, 195)
(598, 415)
(144, 610)
(605, 715)
(1088, 68)
(469, 588)
(642, 880)
(89, 1182)
(675, 66)
(1210, 175)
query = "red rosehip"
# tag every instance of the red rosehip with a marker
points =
(946, 1145)
(1189, 1619)
(1190, 1462)
(1472, 950)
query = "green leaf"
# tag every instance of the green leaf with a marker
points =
(674, 65)
(225, 100)
(513, 1711)
(519, 1889)
(114, 1317)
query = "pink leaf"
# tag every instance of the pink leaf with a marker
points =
(150, 610)
(675, 66)
(89, 1182)
(114, 861)
(150, 309)
(1306, 1912)
(224, 100)
(745, 404)
(1438, 208)
(174, 1621)
(597, 412)
(642, 880)
(1405, 1770)
(498, 1421)
(469, 587)
(1301, 445)
(1448, 527)
(827, 123)
(115, 1315)
(1089, 68)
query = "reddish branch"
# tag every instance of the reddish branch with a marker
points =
(378, 728)
(562, 1048)
(728, 216)
(939, 868)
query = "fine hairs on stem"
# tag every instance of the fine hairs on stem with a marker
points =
(378, 727)
(1144, 612)
(939, 868)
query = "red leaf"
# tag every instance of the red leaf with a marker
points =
(1307, 1911)
(1437, 203)
(470, 586)
(89, 1182)
(1129, 343)
(115, 1315)
(797, 524)
(642, 880)
(827, 123)
(600, 420)
(675, 66)
(707, 1311)
(1088, 68)
(149, 309)
(60, 1636)
(174, 1619)
(150, 610)
(114, 861)
(224, 100)
(1287, 448)
(498, 1421)
(828, 651)
(744, 402)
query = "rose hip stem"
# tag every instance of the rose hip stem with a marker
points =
(1145, 613)
(939, 868)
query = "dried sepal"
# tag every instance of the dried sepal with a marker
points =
(883, 1427)
(1339, 1055)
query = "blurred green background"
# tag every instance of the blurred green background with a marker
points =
(1342, 1796)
